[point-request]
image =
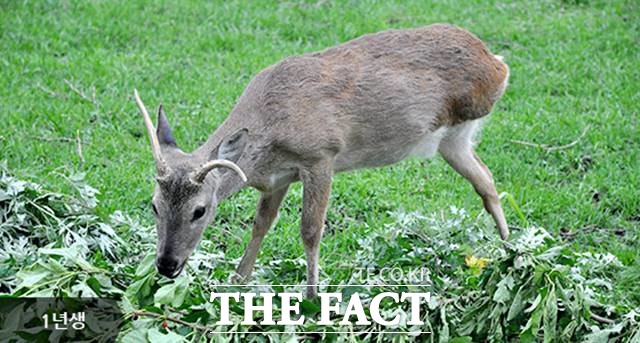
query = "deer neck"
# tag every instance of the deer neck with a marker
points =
(229, 182)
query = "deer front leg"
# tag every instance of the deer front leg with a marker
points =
(316, 184)
(266, 213)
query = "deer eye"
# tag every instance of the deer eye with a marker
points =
(155, 210)
(198, 213)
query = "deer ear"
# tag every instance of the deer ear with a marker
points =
(165, 136)
(232, 146)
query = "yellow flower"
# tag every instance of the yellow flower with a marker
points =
(474, 262)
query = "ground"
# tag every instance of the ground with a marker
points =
(69, 69)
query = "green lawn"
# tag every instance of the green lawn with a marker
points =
(574, 69)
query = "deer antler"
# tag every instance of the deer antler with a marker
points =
(161, 164)
(199, 176)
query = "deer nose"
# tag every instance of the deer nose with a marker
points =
(167, 266)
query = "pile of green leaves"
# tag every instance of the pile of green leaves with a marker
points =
(531, 288)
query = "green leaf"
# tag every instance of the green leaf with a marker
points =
(182, 289)
(154, 335)
(140, 289)
(135, 336)
(72, 254)
(138, 333)
(30, 278)
(535, 303)
(94, 284)
(54, 266)
(164, 295)
(81, 289)
(514, 205)
(550, 316)
(309, 308)
(602, 336)
(147, 266)
(503, 293)
(126, 305)
(174, 293)
(444, 330)
(516, 305)
(551, 254)
(536, 318)
(12, 320)
(43, 293)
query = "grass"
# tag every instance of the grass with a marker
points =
(573, 66)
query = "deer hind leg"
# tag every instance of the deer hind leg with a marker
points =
(458, 152)
(316, 183)
(265, 215)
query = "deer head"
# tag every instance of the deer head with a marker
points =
(184, 200)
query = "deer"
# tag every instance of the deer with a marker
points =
(370, 102)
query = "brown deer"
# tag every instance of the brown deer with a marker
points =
(370, 102)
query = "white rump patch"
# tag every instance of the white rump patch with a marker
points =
(462, 136)
(428, 145)
(503, 87)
